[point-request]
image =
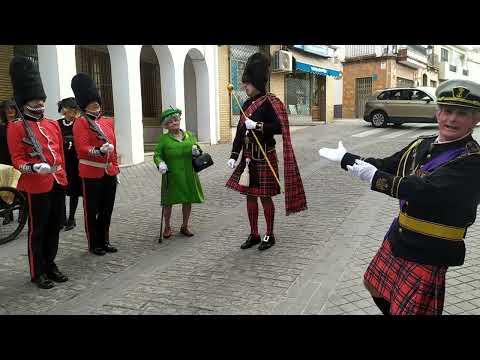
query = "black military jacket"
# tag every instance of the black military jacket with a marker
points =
(271, 126)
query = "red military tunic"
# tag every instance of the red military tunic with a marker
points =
(87, 144)
(49, 136)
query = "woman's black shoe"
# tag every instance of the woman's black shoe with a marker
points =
(267, 242)
(251, 241)
(43, 282)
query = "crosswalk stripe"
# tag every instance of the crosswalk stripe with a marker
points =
(397, 134)
(368, 133)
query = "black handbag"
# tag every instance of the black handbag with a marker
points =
(202, 161)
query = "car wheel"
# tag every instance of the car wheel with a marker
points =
(379, 119)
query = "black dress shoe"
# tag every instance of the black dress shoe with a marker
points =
(110, 249)
(251, 241)
(43, 282)
(98, 251)
(267, 242)
(57, 276)
(69, 225)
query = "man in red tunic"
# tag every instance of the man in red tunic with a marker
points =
(43, 178)
(95, 142)
(266, 117)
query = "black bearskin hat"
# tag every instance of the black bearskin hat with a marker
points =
(257, 71)
(67, 103)
(26, 81)
(85, 90)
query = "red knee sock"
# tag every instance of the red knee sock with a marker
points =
(269, 212)
(252, 210)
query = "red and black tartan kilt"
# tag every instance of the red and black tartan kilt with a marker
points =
(262, 181)
(411, 288)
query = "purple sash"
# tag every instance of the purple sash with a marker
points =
(438, 161)
(433, 164)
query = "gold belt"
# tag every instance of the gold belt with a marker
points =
(95, 164)
(431, 229)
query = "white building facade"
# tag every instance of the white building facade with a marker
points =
(188, 80)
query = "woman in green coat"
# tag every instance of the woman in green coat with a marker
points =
(173, 157)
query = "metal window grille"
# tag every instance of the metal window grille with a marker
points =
(444, 55)
(363, 90)
(401, 82)
(299, 93)
(239, 55)
(151, 93)
(96, 63)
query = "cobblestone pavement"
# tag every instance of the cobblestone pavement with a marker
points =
(316, 267)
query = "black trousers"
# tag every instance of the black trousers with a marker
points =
(45, 213)
(98, 201)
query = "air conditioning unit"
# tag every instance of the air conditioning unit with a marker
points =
(282, 61)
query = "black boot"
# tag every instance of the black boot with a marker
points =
(98, 251)
(56, 275)
(251, 241)
(70, 224)
(110, 249)
(267, 242)
(43, 282)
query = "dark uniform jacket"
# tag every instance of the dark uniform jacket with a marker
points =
(271, 126)
(4, 152)
(445, 198)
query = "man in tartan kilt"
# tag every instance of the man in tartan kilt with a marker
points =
(436, 179)
(266, 117)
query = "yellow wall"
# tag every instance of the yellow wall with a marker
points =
(6, 55)
(224, 99)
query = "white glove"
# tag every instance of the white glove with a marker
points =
(106, 148)
(231, 163)
(162, 167)
(362, 170)
(333, 154)
(42, 168)
(195, 150)
(250, 124)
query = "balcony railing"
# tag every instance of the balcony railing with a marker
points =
(419, 49)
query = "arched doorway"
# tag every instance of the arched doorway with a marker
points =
(7, 52)
(151, 96)
(197, 109)
(95, 61)
(424, 80)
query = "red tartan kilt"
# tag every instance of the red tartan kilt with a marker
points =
(262, 181)
(411, 288)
